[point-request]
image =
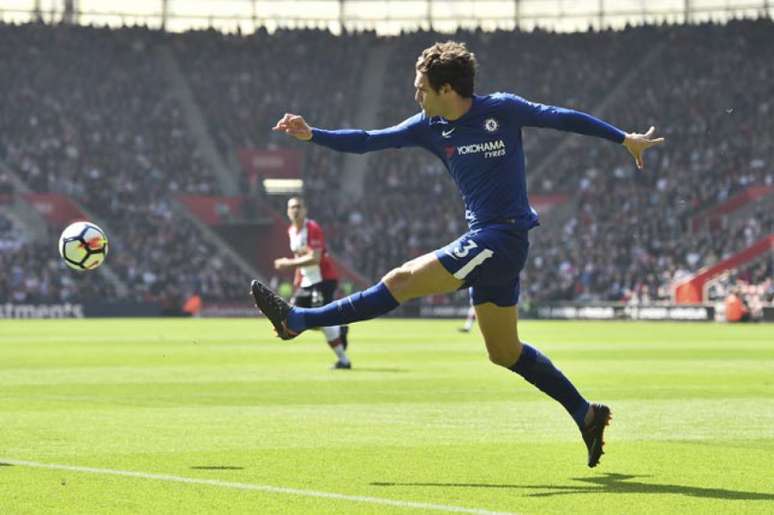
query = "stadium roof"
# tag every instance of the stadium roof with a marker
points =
(384, 16)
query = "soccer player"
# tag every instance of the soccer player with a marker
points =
(478, 139)
(470, 319)
(315, 275)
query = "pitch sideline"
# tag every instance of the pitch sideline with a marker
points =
(255, 487)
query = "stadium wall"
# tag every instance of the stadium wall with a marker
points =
(579, 311)
(24, 310)
(556, 311)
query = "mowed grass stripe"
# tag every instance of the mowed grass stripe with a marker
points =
(406, 424)
(261, 488)
(154, 330)
(314, 370)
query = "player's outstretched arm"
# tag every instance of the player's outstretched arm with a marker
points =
(542, 115)
(294, 125)
(637, 144)
(350, 140)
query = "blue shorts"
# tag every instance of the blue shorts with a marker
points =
(488, 261)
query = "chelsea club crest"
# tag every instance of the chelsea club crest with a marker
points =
(491, 125)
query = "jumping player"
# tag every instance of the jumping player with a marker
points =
(478, 139)
(316, 277)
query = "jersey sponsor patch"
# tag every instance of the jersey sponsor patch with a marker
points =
(490, 149)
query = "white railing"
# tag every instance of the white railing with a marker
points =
(384, 16)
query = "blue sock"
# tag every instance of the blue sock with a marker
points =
(537, 369)
(376, 300)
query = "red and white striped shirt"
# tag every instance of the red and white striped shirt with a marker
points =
(310, 237)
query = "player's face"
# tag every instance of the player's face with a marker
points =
(296, 210)
(428, 100)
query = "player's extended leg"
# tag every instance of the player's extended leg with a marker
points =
(499, 327)
(419, 277)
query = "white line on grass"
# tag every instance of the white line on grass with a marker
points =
(260, 488)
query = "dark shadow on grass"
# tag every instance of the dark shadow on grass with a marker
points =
(609, 483)
(375, 369)
(6, 464)
(216, 467)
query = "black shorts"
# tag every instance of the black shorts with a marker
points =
(315, 295)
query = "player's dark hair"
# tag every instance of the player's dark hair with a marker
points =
(449, 63)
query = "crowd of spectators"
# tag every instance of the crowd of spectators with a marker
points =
(88, 113)
(9, 240)
(244, 84)
(32, 271)
(751, 286)
(630, 232)
(619, 267)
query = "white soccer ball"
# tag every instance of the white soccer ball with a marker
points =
(83, 246)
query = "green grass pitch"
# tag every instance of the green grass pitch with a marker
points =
(217, 416)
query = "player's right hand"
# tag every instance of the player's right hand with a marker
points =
(294, 125)
(282, 263)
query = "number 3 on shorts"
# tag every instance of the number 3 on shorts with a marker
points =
(464, 250)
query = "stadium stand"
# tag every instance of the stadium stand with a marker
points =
(86, 114)
(33, 271)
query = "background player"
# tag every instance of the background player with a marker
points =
(316, 279)
(470, 319)
(478, 139)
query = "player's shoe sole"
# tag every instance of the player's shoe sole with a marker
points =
(593, 435)
(274, 307)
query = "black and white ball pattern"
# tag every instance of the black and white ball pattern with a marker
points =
(83, 246)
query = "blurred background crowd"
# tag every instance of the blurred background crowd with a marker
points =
(90, 113)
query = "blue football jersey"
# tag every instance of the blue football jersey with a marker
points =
(482, 150)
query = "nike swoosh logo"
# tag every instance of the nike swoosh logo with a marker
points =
(447, 134)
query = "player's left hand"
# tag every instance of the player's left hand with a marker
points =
(282, 263)
(637, 143)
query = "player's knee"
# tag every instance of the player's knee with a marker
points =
(502, 359)
(504, 356)
(397, 279)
